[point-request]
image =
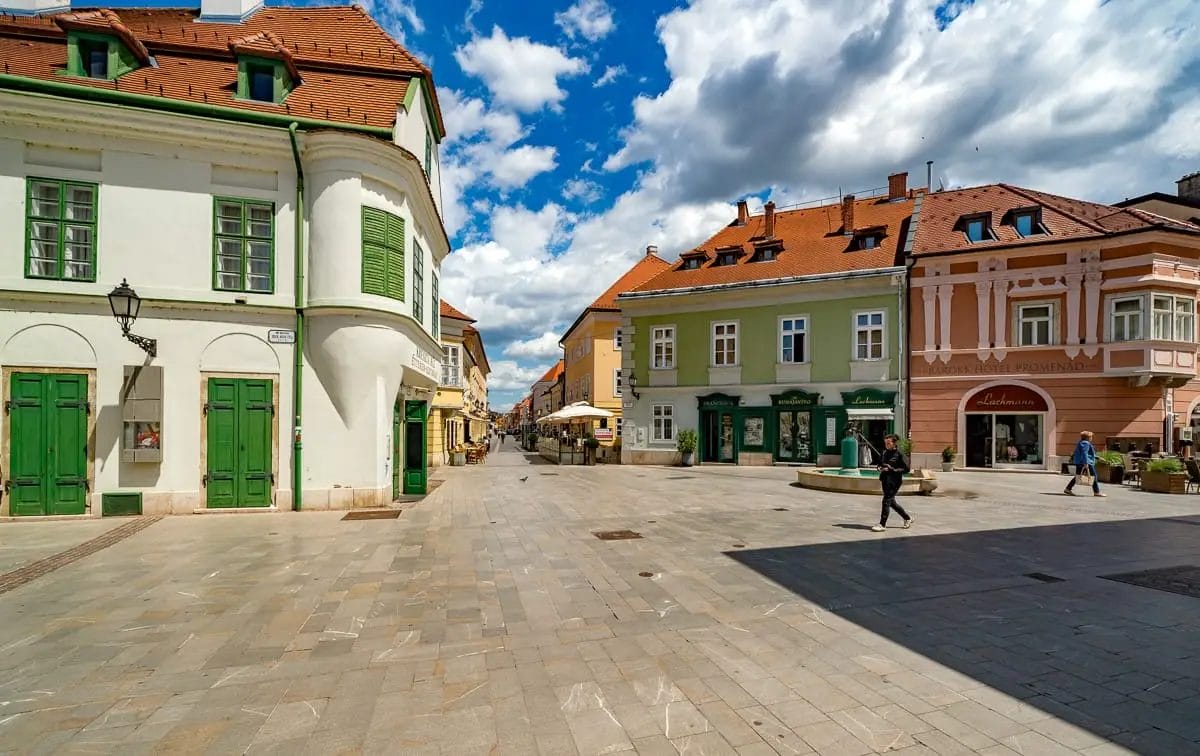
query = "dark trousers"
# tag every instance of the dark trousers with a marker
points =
(1092, 470)
(889, 501)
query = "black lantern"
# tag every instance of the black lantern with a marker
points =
(632, 381)
(126, 305)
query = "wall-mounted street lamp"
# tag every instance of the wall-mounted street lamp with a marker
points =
(632, 381)
(125, 305)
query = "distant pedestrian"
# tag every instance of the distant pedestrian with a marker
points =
(892, 467)
(1084, 459)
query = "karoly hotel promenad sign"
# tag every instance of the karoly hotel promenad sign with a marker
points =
(425, 364)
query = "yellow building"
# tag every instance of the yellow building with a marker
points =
(460, 410)
(592, 350)
(547, 394)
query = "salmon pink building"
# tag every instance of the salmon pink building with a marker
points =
(1035, 316)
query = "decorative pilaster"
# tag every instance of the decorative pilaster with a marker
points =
(1000, 301)
(928, 293)
(1073, 282)
(1092, 280)
(983, 299)
(944, 292)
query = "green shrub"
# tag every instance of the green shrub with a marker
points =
(948, 454)
(686, 440)
(1110, 458)
(905, 446)
(1167, 465)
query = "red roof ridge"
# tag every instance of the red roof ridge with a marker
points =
(552, 374)
(447, 310)
(1034, 195)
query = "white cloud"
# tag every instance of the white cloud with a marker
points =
(518, 72)
(582, 189)
(544, 347)
(507, 375)
(467, 117)
(514, 167)
(396, 16)
(609, 76)
(590, 19)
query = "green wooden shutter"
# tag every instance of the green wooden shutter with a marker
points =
(374, 251)
(254, 443)
(395, 257)
(29, 444)
(222, 442)
(68, 457)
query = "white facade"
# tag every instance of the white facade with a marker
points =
(157, 175)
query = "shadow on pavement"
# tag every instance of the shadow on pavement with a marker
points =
(1121, 661)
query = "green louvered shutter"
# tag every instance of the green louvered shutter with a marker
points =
(68, 459)
(30, 447)
(374, 251)
(395, 257)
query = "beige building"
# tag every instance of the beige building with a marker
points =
(460, 410)
(592, 349)
(1184, 205)
(547, 392)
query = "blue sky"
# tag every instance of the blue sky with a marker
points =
(583, 130)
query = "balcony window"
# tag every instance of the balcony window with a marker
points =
(451, 365)
(1173, 317)
(1126, 319)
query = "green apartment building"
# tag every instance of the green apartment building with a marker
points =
(773, 337)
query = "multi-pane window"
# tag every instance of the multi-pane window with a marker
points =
(617, 339)
(60, 230)
(243, 245)
(662, 340)
(793, 340)
(451, 357)
(93, 57)
(1127, 319)
(868, 336)
(437, 320)
(724, 344)
(617, 382)
(1173, 317)
(664, 422)
(382, 254)
(1035, 324)
(418, 282)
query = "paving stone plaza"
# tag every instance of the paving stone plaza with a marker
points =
(750, 617)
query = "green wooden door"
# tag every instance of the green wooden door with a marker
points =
(240, 413)
(397, 427)
(48, 444)
(415, 472)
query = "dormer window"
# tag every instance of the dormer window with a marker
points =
(260, 82)
(1027, 221)
(764, 255)
(266, 70)
(726, 258)
(868, 238)
(93, 58)
(692, 263)
(977, 228)
(766, 251)
(99, 46)
(692, 260)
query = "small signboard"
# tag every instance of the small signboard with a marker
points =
(280, 336)
(603, 434)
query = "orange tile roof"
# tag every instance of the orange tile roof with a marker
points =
(351, 70)
(447, 310)
(553, 373)
(643, 270)
(812, 242)
(1064, 217)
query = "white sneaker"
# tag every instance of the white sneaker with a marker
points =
(908, 523)
(878, 528)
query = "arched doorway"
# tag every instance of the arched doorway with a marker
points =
(1006, 425)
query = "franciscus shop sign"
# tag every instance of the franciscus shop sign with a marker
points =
(1002, 399)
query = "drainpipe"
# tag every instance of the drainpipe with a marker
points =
(298, 347)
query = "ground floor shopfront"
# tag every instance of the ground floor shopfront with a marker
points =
(93, 425)
(1033, 424)
(761, 425)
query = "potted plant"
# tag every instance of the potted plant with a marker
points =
(458, 456)
(948, 459)
(1165, 476)
(685, 442)
(905, 446)
(1110, 467)
(590, 445)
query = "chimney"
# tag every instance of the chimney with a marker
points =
(1189, 186)
(769, 219)
(897, 185)
(33, 7)
(224, 11)
(651, 249)
(848, 214)
(743, 213)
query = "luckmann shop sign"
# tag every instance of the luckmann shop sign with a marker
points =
(1007, 399)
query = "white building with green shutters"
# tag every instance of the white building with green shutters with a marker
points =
(274, 204)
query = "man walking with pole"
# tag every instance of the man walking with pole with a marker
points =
(892, 467)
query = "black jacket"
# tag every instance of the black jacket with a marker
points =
(896, 460)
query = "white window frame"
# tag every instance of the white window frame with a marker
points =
(455, 363)
(658, 338)
(617, 339)
(712, 342)
(1019, 321)
(1111, 320)
(804, 331)
(617, 380)
(660, 416)
(1178, 332)
(855, 328)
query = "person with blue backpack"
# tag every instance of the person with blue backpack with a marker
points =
(1084, 459)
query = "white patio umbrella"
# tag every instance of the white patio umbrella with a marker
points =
(576, 412)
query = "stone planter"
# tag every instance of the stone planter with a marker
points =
(687, 458)
(458, 459)
(1164, 482)
(1113, 474)
(947, 466)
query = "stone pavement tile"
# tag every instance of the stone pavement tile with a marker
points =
(1107, 749)
(1011, 708)
(775, 733)
(1067, 734)
(307, 688)
(797, 713)
(942, 744)
(656, 690)
(193, 737)
(597, 732)
(756, 749)
(654, 745)
(730, 692)
(292, 720)
(288, 747)
(1036, 744)
(998, 750)
(556, 744)
(831, 738)
(727, 722)
(1154, 740)
(705, 744)
(696, 691)
(985, 720)
(129, 711)
(872, 729)
(107, 740)
(683, 718)
(768, 690)
(580, 697)
(639, 720)
(343, 742)
(956, 729)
